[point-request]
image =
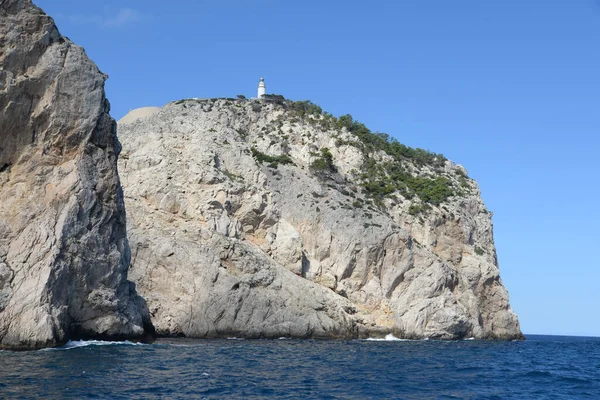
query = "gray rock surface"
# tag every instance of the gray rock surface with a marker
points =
(63, 248)
(224, 245)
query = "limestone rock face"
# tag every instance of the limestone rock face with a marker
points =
(236, 230)
(63, 247)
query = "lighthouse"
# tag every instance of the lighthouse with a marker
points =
(262, 88)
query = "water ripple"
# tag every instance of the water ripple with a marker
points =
(539, 368)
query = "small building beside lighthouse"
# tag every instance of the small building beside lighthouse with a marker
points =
(262, 88)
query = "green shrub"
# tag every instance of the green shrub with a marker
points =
(415, 209)
(479, 251)
(324, 162)
(274, 98)
(380, 180)
(273, 161)
(303, 108)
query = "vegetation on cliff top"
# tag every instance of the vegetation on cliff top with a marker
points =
(379, 178)
(402, 172)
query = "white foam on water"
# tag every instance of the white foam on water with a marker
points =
(74, 344)
(388, 338)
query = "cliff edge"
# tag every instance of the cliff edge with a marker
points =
(273, 218)
(63, 247)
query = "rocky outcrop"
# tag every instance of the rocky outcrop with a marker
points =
(63, 248)
(271, 218)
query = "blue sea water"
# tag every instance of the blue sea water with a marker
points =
(542, 367)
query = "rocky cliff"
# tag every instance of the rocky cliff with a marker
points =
(63, 248)
(273, 218)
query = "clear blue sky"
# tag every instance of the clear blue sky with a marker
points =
(510, 89)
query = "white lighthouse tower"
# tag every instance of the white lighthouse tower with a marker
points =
(262, 88)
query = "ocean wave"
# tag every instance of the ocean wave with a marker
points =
(389, 338)
(74, 344)
(538, 373)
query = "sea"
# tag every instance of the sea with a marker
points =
(541, 367)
